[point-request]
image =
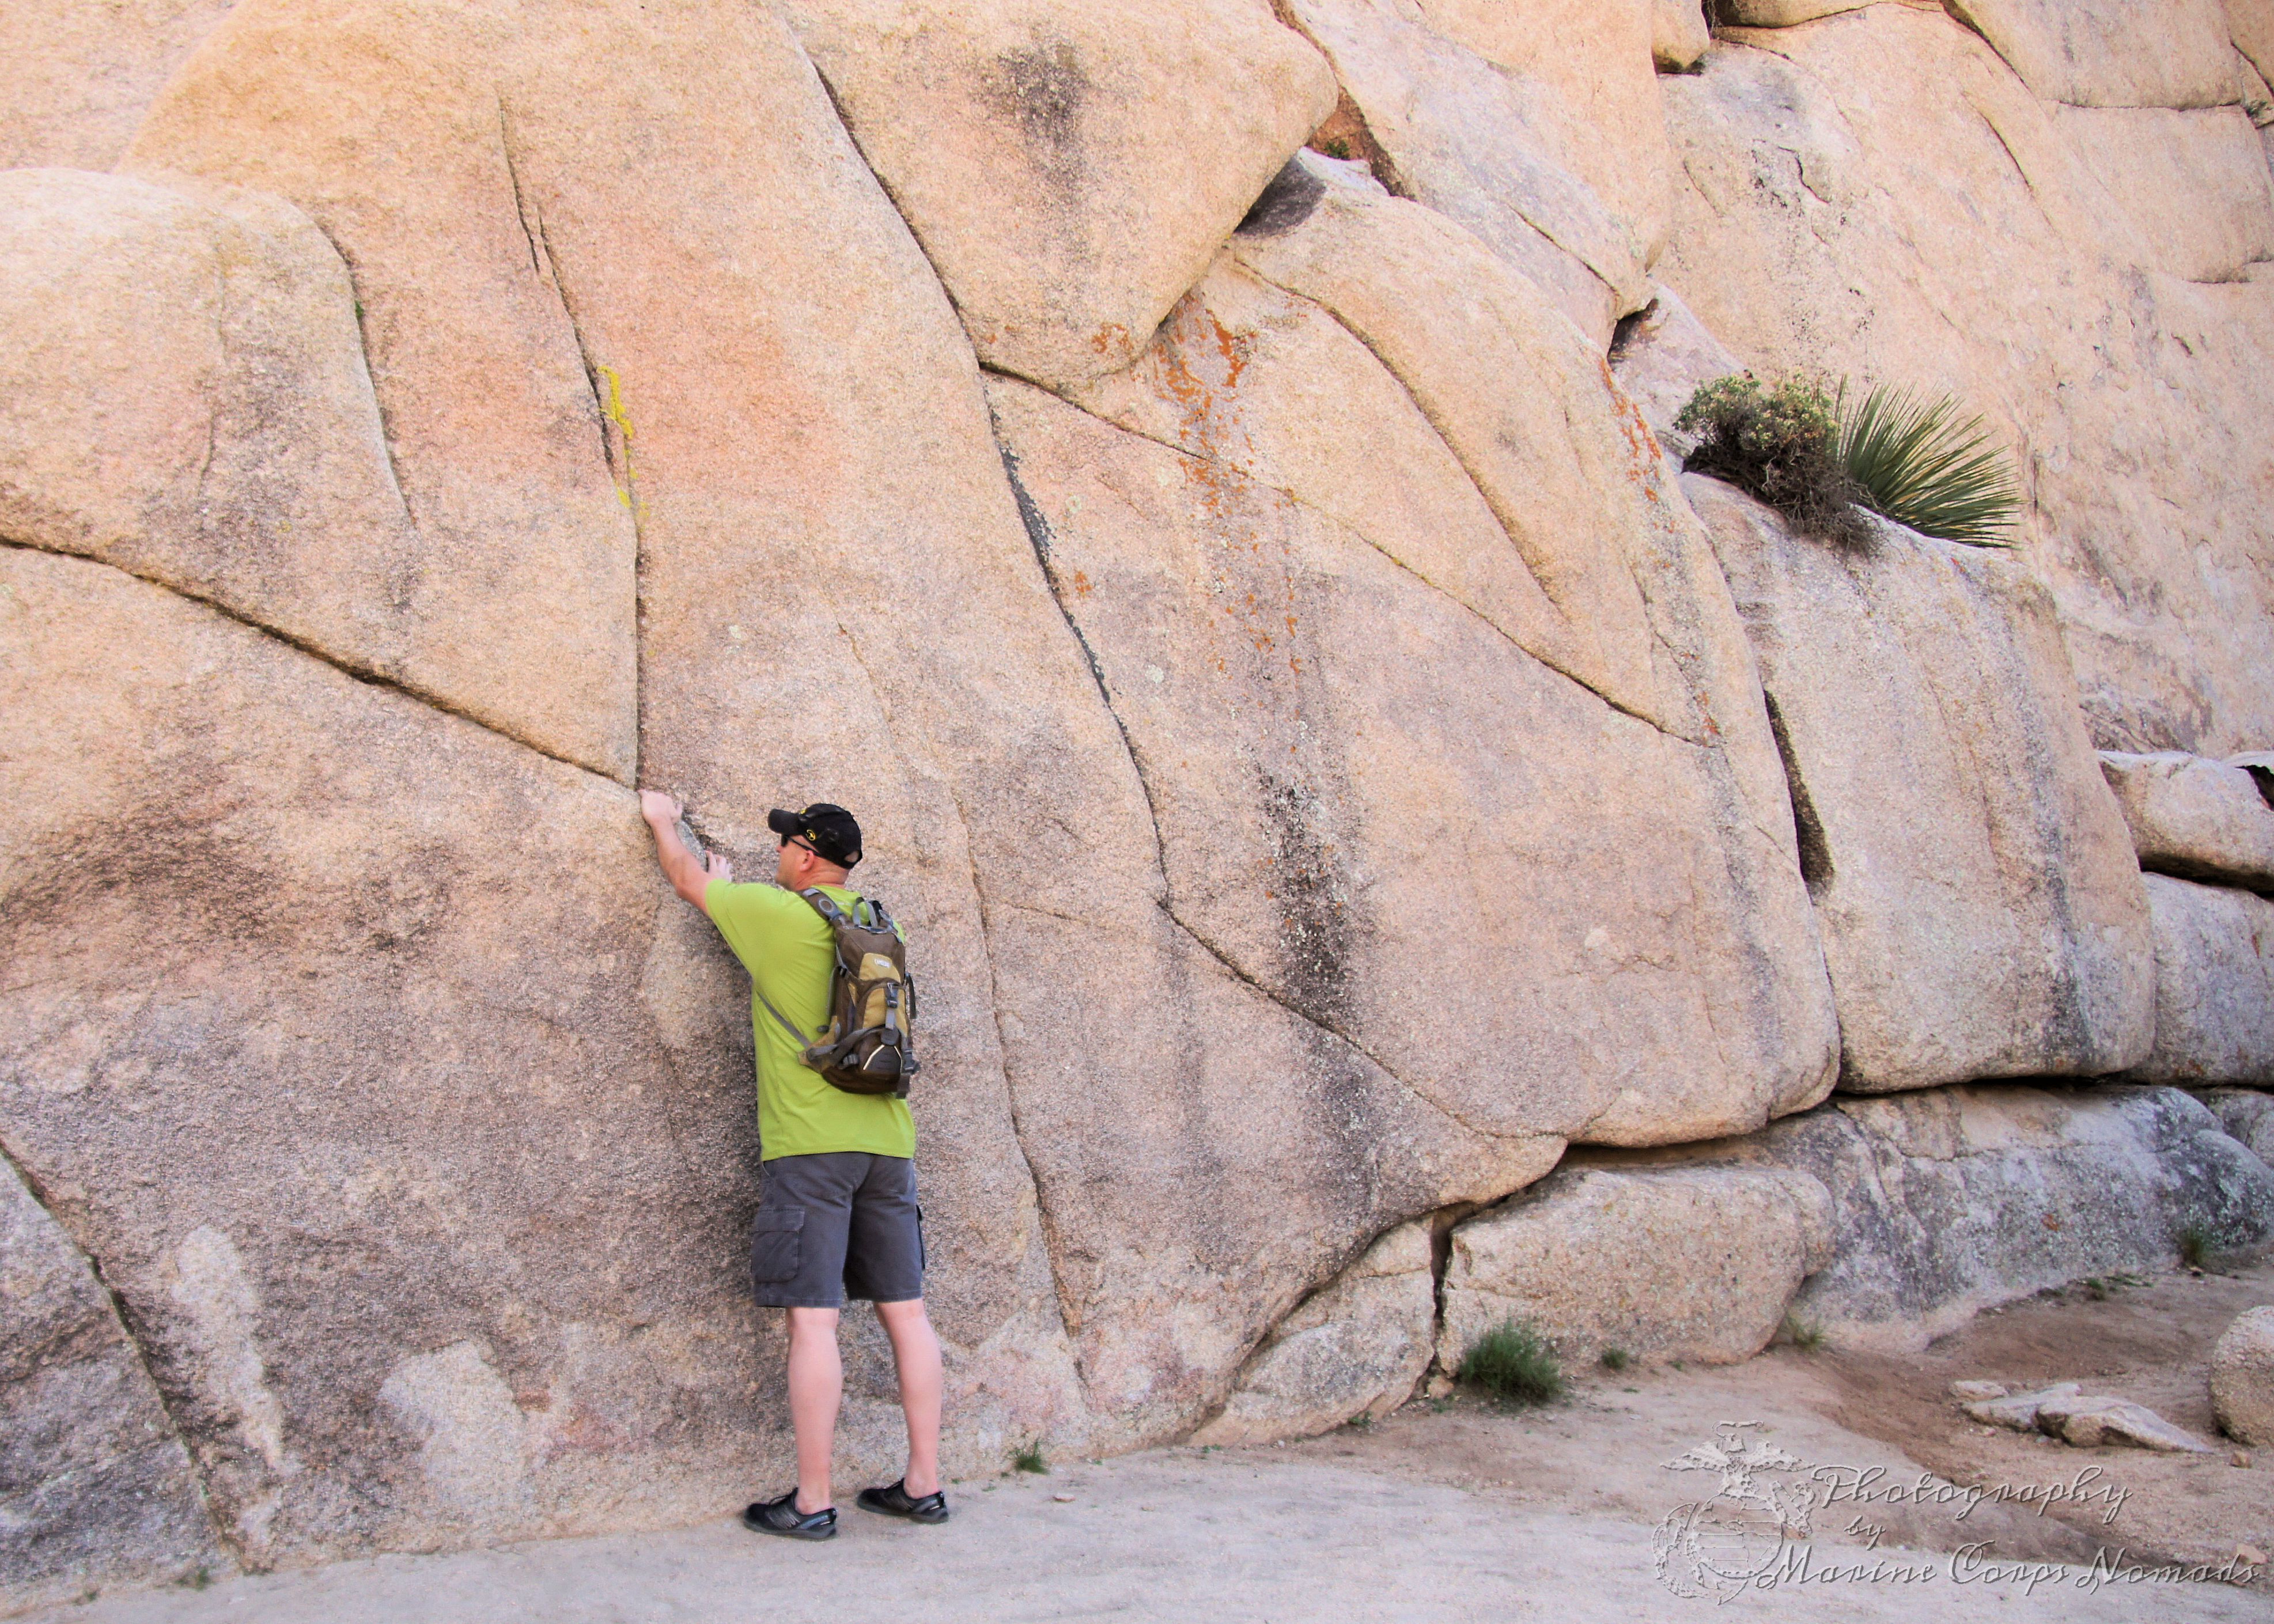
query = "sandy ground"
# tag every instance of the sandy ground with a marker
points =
(1458, 1510)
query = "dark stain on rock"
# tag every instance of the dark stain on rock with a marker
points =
(167, 863)
(396, 907)
(1314, 925)
(1286, 203)
(1815, 849)
(1044, 90)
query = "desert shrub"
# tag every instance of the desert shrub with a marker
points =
(1029, 1460)
(2198, 1246)
(1804, 1334)
(1918, 462)
(1512, 1363)
(1782, 446)
(1615, 1359)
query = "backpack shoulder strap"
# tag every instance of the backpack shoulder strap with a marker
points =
(795, 1036)
(819, 900)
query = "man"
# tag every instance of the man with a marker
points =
(837, 1215)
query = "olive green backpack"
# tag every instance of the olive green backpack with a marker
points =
(868, 1046)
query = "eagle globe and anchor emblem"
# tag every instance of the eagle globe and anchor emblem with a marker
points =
(1722, 1546)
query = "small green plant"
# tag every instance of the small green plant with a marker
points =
(1029, 1460)
(1511, 1363)
(1918, 462)
(1337, 147)
(1779, 444)
(2198, 1250)
(1615, 1359)
(1804, 1334)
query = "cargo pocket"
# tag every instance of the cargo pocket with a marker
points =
(777, 1245)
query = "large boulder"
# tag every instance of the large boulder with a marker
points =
(95, 1488)
(1683, 1263)
(1592, 89)
(189, 403)
(80, 76)
(1539, 132)
(1232, 558)
(2242, 1378)
(1838, 183)
(1949, 1201)
(383, 121)
(2110, 53)
(2247, 1116)
(1070, 168)
(2213, 985)
(1982, 909)
(2198, 818)
(1357, 1347)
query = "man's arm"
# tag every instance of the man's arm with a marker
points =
(687, 875)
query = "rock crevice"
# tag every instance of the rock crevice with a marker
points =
(439, 703)
(98, 1484)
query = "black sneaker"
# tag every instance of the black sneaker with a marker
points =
(894, 1501)
(782, 1516)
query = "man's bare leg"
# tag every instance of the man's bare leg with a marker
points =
(817, 1383)
(916, 1354)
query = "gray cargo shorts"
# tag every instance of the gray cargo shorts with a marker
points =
(839, 1224)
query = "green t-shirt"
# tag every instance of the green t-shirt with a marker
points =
(789, 952)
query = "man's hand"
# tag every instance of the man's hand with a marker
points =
(687, 876)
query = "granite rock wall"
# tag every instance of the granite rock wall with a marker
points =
(1194, 476)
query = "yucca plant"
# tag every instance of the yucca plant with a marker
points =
(1916, 460)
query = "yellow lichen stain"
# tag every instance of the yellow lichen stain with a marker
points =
(628, 492)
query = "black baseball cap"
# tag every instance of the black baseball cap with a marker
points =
(830, 830)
